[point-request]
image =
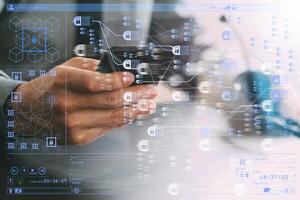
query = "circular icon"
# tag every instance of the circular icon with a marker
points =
(76, 190)
(173, 189)
(204, 87)
(20, 181)
(143, 146)
(237, 86)
(267, 105)
(14, 171)
(175, 80)
(10, 181)
(143, 68)
(42, 170)
(24, 171)
(204, 145)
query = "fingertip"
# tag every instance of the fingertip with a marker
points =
(97, 62)
(127, 78)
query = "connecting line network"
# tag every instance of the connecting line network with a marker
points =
(163, 47)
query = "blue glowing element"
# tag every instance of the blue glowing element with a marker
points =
(276, 79)
(16, 76)
(226, 96)
(10, 113)
(82, 21)
(10, 134)
(11, 146)
(226, 35)
(228, 64)
(35, 146)
(33, 39)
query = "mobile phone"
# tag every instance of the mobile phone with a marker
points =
(149, 64)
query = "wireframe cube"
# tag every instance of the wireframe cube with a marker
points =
(16, 55)
(22, 39)
(15, 24)
(34, 55)
(52, 55)
(45, 40)
(52, 24)
(34, 24)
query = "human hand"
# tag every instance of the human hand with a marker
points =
(84, 103)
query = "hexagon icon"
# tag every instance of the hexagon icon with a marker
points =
(52, 55)
(16, 55)
(52, 24)
(45, 40)
(22, 39)
(15, 24)
(34, 55)
(34, 24)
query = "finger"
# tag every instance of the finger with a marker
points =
(89, 81)
(86, 136)
(77, 101)
(118, 98)
(118, 117)
(83, 63)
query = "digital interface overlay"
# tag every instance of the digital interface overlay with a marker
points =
(224, 125)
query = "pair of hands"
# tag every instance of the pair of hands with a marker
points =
(81, 102)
